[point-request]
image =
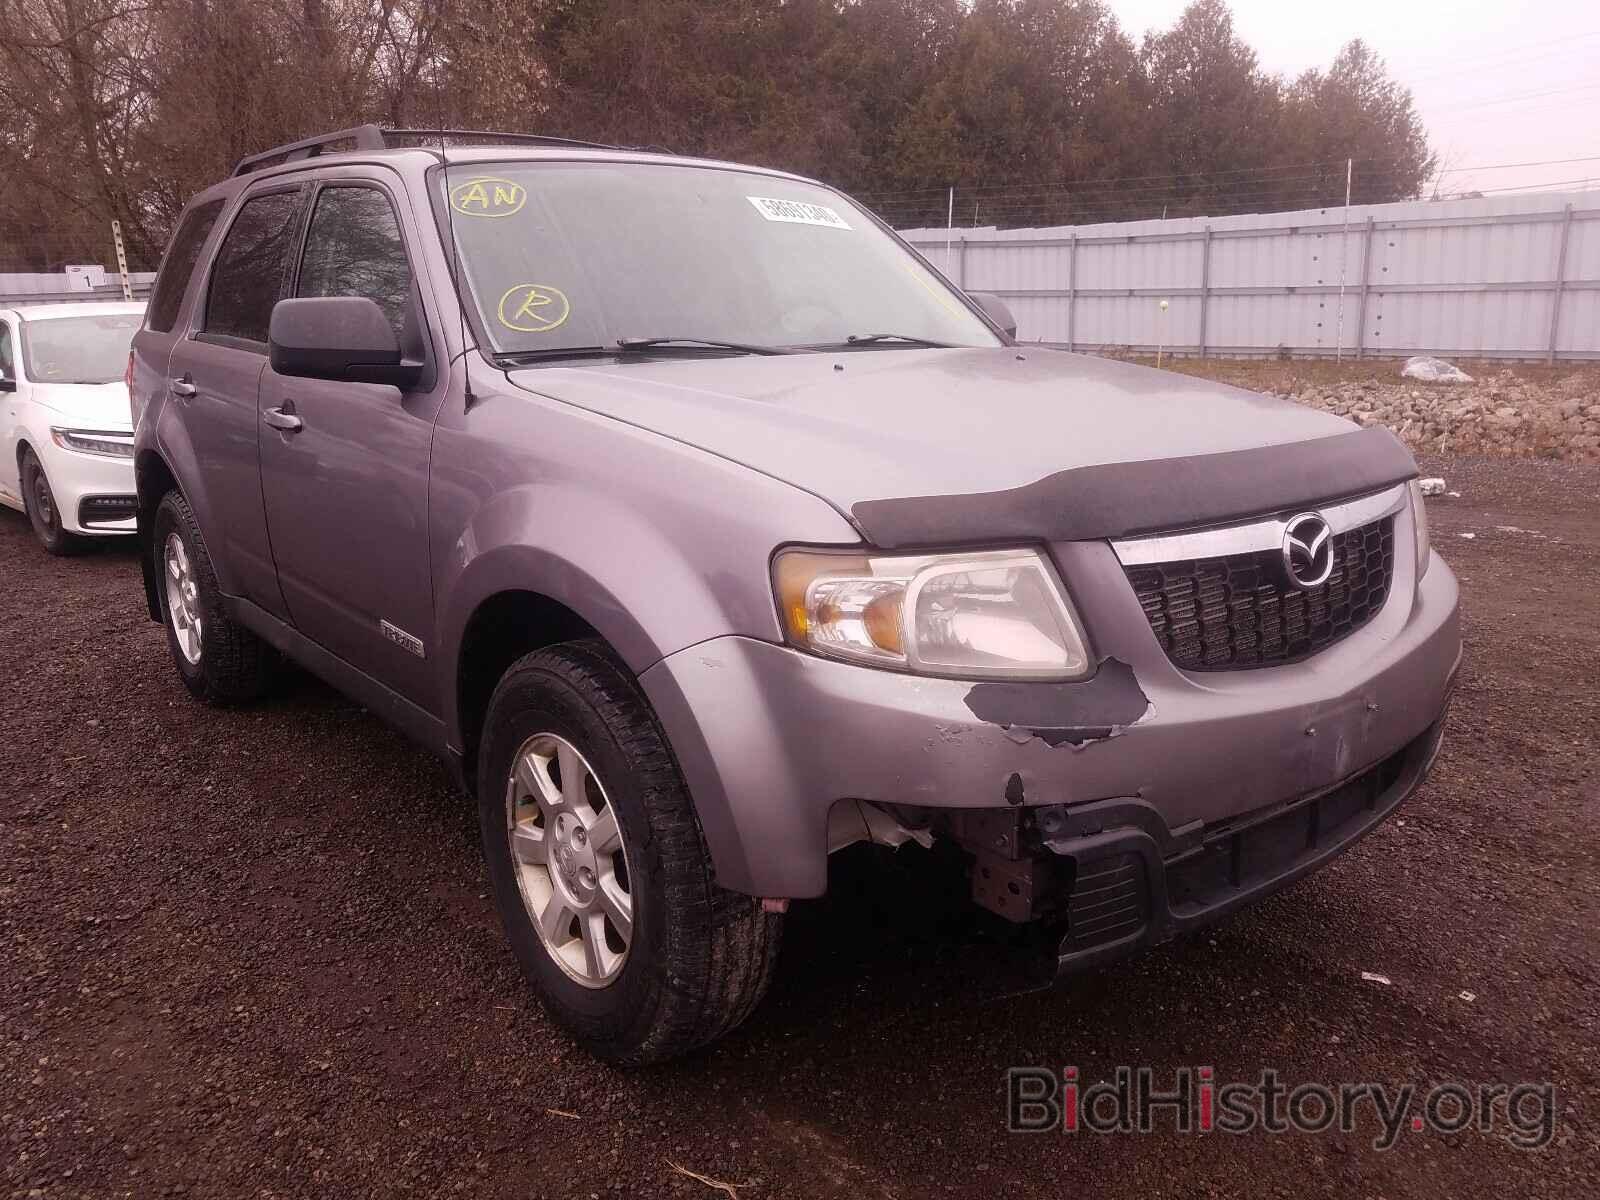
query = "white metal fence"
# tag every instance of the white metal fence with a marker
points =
(1504, 277)
(62, 286)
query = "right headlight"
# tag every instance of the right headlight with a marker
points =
(991, 614)
(91, 441)
(1419, 522)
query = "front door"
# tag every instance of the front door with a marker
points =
(346, 492)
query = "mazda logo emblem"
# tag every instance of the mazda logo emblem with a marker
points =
(1308, 551)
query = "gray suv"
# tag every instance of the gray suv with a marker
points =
(705, 529)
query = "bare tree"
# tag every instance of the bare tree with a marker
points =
(121, 109)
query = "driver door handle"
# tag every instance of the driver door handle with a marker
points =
(182, 388)
(283, 418)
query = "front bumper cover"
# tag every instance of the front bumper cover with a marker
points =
(75, 478)
(769, 739)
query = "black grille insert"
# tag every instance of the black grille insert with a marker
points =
(1241, 611)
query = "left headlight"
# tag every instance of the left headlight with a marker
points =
(998, 613)
(1419, 522)
(90, 441)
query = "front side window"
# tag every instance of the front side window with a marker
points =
(178, 265)
(252, 266)
(79, 349)
(577, 255)
(7, 362)
(354, 248)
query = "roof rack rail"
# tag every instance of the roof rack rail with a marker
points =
(366, 137)
(371, 137)
(534, 139)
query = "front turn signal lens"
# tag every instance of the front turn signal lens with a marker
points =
(1419, 523)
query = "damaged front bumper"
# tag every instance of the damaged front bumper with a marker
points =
(770, 739)
(1127, 880)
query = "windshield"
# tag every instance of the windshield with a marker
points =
(79, 349)
(573, 255)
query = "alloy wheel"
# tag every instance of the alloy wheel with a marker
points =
(183, 598)
(570, 859)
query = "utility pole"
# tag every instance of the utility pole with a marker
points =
(122, 260)
(949, 227)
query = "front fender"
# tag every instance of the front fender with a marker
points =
(23, 430)
(503, 549)
(648, 582)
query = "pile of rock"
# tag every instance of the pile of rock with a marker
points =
(1499, 414)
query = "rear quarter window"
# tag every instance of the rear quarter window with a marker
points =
(178, 265)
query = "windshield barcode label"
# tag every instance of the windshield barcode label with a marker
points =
(796, 213)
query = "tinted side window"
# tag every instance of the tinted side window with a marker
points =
(252, 267)
(354, 248)
(178, 265)
(6, 369)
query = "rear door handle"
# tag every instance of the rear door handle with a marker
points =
(182, 388)
(278, 418)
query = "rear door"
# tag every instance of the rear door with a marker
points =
(346, 492)
(214, 380)
(175, 282)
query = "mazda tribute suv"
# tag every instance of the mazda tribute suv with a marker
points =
(704, 528)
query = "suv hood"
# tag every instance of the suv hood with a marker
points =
(100, 406)
(865, 425)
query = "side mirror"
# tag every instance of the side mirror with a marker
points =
(345, 338)
(7, 384)
(996, 310)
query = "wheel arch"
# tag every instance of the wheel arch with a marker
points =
(542, 566)
(152, 479)
(503, 627)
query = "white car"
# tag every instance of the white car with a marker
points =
(66, 434)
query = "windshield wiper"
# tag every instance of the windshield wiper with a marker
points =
(520, 357)
(867, 339)
(631, 345)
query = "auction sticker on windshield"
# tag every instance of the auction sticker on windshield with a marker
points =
(796, 213)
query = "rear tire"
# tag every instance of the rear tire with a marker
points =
(696, 959)
(219, 660)
(39, 502)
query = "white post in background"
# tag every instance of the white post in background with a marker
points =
(1344, 256)
(949, 226)
(122, 260)
(1161, 333)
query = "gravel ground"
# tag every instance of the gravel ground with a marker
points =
(251, 952)
(1519, 410)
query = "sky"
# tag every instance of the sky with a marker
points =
(1495, 83)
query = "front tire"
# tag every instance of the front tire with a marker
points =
(599, 868)
(219, 660)
(39, 502)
